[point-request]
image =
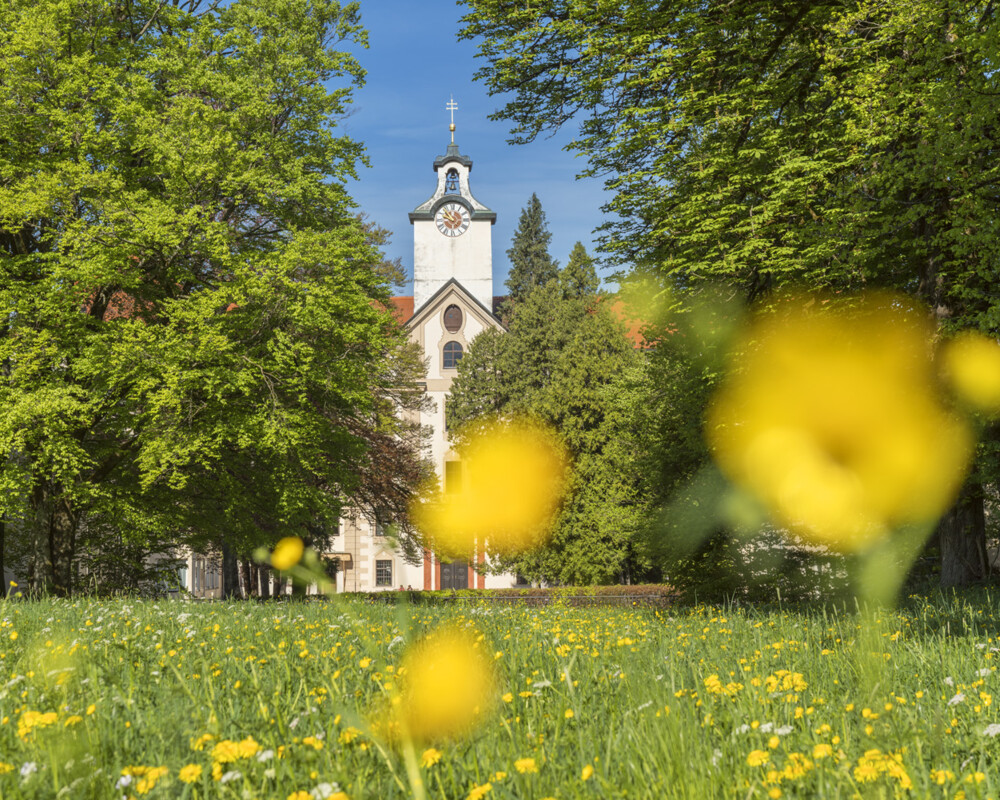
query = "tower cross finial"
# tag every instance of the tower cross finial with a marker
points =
(452, 107)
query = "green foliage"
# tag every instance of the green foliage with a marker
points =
(195, 333)
(530, 263)
(564, 362)
(836, 146)
(579, 277)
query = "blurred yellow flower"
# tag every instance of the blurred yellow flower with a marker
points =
(587, 773)
(972, 366)
(478, 792)
(447, 686)
(524, 765)
(190, 773)
(300, 795)
(287, 553)
(515, 477)
(831, 418)
(430, 757)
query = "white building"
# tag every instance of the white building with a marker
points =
(452, 302)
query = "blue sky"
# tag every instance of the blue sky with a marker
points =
(414, 64)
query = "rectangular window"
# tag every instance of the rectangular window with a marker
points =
(452, 476)
(383, 572)
(382, 522)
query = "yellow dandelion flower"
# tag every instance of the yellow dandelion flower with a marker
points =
(972, 366)
(758, 758)
(300, 795)
(498, 776)
(247, 748)
(430, 757)
(225, 752)
(773, 742)
(587, 773)
(5, 767)
(831, 418)
(508, 697)
(287, 553)
(516, 478)
(568, 713)
(190, 773)
(478, 792)
(822, 751)
(525, 765)
(447, 685)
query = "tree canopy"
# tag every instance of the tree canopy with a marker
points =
(564, 362)
(195, 333)
(530, 262)
(834, 145)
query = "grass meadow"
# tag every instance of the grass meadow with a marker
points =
(170, 699)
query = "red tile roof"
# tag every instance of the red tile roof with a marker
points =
(402, 308)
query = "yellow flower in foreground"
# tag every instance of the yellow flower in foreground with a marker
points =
(190, 773)
(587, 773)
(5, 767)
(287, 553)
(447, 685)
(758, 757)
(300, 795)
(478, 792)
(524, 765)
(972, 365)
(515, 478)
(430, 757)
(831, 418)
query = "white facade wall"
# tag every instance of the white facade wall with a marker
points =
(466, 258)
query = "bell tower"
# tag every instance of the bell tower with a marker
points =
(452, 232)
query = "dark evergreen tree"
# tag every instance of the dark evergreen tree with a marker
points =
(579, 277)
(562, 362)
(530, 262)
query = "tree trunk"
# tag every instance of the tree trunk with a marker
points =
(245, 578)
(230, 574)
(962, 534)
(264, 581)
(61, 525)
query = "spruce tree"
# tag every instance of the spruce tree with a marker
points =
(561, 362)
(530, 262)
(579, 277)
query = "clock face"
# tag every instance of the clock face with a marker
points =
(452, 219)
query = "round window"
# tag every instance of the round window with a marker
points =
(452, 319)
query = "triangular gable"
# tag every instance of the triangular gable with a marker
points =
(454, 286)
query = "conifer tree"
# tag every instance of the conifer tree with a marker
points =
(530, 262)
(579, 277)
(561, 363)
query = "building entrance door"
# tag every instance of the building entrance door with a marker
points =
(455, 575)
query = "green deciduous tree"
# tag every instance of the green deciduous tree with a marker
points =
(195, 334)
(838, 145)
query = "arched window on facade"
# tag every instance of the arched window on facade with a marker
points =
(452, 319)
(452, 355)
(451, 181)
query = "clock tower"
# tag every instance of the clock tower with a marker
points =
(452, 236)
